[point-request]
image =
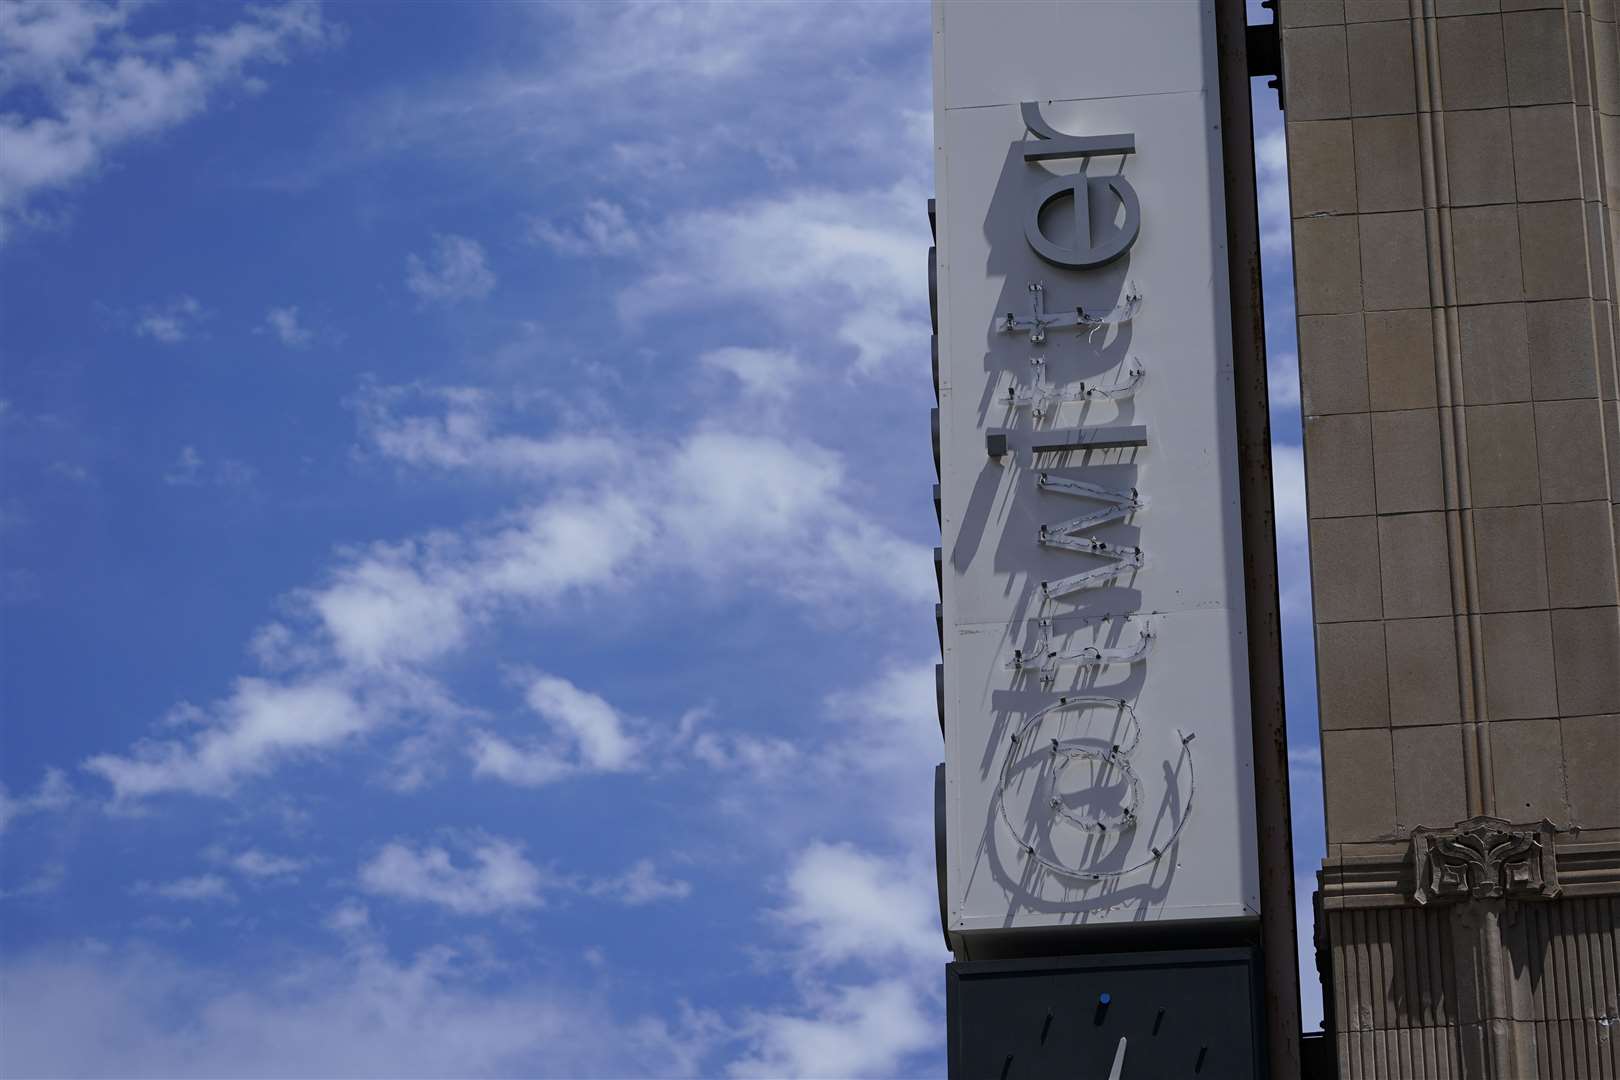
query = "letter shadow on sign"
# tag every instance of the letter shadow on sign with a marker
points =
(1093, 788)
(1072, 353)
(1100, 356)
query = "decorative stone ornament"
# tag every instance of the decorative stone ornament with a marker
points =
(1484, 858)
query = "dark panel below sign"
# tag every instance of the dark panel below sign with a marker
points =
(1150, 1014)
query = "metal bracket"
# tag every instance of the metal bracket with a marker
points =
(1046, 659)
(1121, 504)
(1042, 396)
(1040, 319)
(1118, 561)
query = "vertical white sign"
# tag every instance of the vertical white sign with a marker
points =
(1096, 692)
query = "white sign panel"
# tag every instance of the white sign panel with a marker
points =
(1096, 691)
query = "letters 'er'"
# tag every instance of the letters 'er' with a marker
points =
(1051, 145)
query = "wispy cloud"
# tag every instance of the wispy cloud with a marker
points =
(603, 229)
(456, 269)
(492, 876)
(855, 267)
(98, 84)
(354, 1012)
(204, 888)
(285, 324)
(762, 373)
(640, 885)
(53, 793)
(588, 735)
(171, 323)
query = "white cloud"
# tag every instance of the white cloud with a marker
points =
(455, 270)
(1293, 537)
(461, 435)
(53, 793)
(190, 470)
(588, 735)
(858, 1030)
(588, 720)
(521, 766)
(205, 888)
(96, 86)
(498, 879)
(354, 1014)
(640, 885)
(260, 724)
(847, 904)
(854, 262)
(735, 510)
(604, 229)
(1271, 183)
(260, 865)
(185, 467)
(171, 323)
(763, 373)
(1282, 380)
(284, 323)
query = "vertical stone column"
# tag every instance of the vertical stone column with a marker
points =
(1455, 179)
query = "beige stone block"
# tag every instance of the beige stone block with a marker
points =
(1608, 374)
(1537, 47)
(1607, 85)
(1580, 565)
(1569, 446)
(1473, 67)
(1563, 351)
(1552, 237)
(1518, 653)
(1316, 73)
(1609, 129)
(1351, 690)
(1604, 331)
(1312, 12)
(1611, 438)
(1321, 168)
(1429, 785)
(1511, 557)
(1358, 776)
(1339, 465)
(1447, 8)
(1394, 261)
(1495, 354)
(1387, 172)
(1406, 461)
(1400, 359)
(1477, 170)
(1332, 364)
(1344, 569)
(1423, 672)
(1381, 79)
(1485, 254)
(1546, 157)
(1527, 770)
(1592, 186)
(1591, 746)
(1597, 271)
(1376, 10)
(1415, 565)
(1586, 643)
(1327, 266)
(1502, 455)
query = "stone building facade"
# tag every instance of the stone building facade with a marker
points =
(1455, 181)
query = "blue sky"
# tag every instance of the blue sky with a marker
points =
(466, 540)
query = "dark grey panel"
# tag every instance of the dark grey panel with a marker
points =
(1156, 1014)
